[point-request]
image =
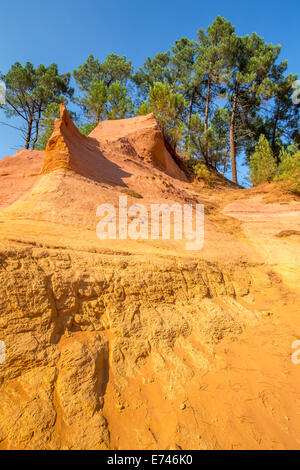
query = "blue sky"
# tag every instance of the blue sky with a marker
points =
(66, 31)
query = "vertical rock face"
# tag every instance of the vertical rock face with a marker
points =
(68, 149)
(82, 375)
(100, 349)
(58, 153)
(144, 136)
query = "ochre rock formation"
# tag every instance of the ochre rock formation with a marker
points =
(68, 149)
(18, 174)
(140, 344)
(144, 136)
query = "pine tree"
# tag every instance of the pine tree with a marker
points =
(169, 109)
(94, 101)
(119, 105)
(114, 68)
(211, 61)
(289, 170)
(186, 81)
(29, 91)
(247, 80)
(47, 124)
(143, 109)
(211, 144)
(103, 88)
(281, 115)
(262, 163)
(153, 70)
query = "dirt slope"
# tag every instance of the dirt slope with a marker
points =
(18, 174)
(140, 344)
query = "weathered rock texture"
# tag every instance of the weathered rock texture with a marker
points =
(143, 138)
(141, 344)
(68, 149)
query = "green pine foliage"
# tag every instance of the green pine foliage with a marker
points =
(201, 171)
(289, 171)
(47, 124)
(119, 105)
(262, 163)
(211, 144)
(143, 109)
(87, 127)
(213, 98)
(104, 92)
(29, 92)
(168, 108)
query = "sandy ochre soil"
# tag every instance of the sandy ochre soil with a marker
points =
(142, 344)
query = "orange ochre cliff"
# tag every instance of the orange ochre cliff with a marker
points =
(142, 344)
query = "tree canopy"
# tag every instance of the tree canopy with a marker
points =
(29, 91)
(216, 98)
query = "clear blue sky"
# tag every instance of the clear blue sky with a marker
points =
(66, 32)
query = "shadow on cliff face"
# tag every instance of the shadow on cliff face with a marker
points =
(68, 149)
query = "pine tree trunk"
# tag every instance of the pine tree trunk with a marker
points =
(37, 129)
(206, 119)
(224, 166)
(29, 130)
(274, 133)
(189, 118)
(99, 111)
(207, 107)
(232, 135)
(190, 110)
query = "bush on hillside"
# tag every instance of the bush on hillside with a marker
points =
(289, 171)
(201, 171)
(262, 163)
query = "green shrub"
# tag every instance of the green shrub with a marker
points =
(262, 163)
(168, 108)
(201, 171)
(131, 193)
(143, 109)
(289, 171)
(87, 128)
